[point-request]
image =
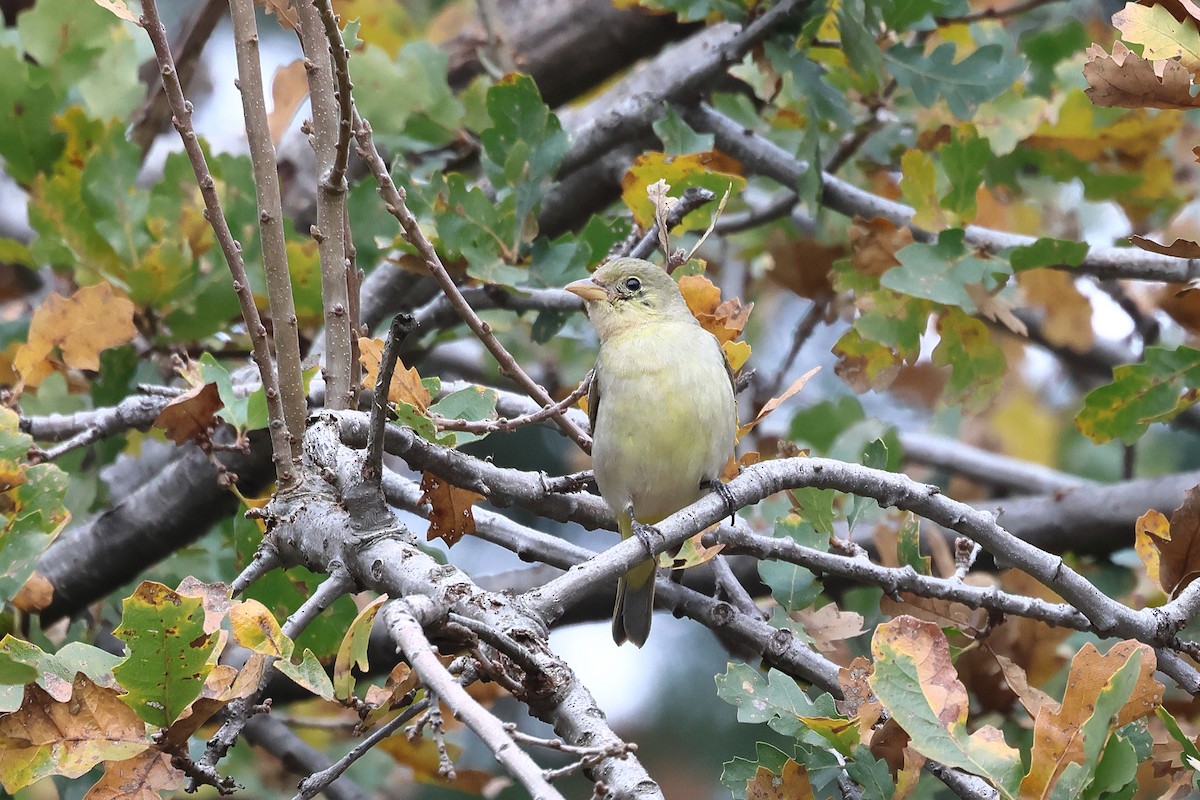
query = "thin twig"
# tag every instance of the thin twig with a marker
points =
(270, 222)
(324, 131)
(402, 325)
(508, 425)
(280, 443)
(393, 197)
(420, 654)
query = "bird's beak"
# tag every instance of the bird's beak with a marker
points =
(587, 289)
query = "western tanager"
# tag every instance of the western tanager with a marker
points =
(662, 412)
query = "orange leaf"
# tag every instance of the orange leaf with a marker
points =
(775, 402)
(289, 89)
(451, 517)
(724, 320)
(792, 784)
(1057, 731)
(143, 777)
(190, 414)
(406, 383)
(90, 321)
(874, 244)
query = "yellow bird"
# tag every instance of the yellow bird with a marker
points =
(662, 411)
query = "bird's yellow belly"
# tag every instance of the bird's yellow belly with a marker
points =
(665, 423)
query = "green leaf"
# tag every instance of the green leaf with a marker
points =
(964, 158)
(170, 652)
(820, 424)
(407, 99)
(34, 512)
(776, 701)
(1157, 390)
(908, 546)
(915, 680)
(794, 587)
(871, 774)
(29, 99)
(1047, 252)
(244, 411)
(940, 272)
(977, 363)
(816, 507)
(524, 145)
(980, 76)
(54, 672)
(677, 136)
(473, 403)
(1047, 47)
(876, 457)
(920, 14)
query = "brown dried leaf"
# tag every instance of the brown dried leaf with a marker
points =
(1180, 556)
(451, 517)
(828, 626)
(1126, 80)
(48, 737)
(874, 244)
(119, 8)
(1180, 248)
(289, 89)
(34, 595)
(1031, 697)
(995, 308)
(775, 402)
(83, 325)
(283, 10)
(191, 414)
(143, 777)
(858, 700)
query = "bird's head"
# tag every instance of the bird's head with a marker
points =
(628, 292)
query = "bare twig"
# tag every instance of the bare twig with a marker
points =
(182, 110)
(324, 130)
(270, 222)
(509, 425)
(394, 199)
(402, 325)
(693, 197)
(421, 655)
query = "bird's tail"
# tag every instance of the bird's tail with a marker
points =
(635, 605)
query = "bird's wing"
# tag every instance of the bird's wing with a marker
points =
(594, 398)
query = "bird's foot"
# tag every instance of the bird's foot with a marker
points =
(726, 496)
(648, 535)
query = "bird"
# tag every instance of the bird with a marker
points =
(662, 411)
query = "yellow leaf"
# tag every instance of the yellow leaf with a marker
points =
(1151, 532)
(712, 170)
(406, 383)
(90, 321)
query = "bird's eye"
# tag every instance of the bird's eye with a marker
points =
(633, 284)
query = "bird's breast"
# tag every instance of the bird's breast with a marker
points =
(666, 419)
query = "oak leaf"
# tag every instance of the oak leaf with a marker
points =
(1126, 80)
(406, 382)
(450, 516)
(191, 414)
(81, 326)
